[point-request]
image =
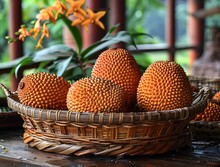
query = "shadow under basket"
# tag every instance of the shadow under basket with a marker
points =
(8, 117)
(108, 134)
(206, 131)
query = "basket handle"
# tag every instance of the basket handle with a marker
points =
(204, 94)
(6, 90)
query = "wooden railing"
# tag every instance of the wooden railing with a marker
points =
(196, 30)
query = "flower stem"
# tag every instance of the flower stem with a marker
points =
(81, 66)
(74, 31)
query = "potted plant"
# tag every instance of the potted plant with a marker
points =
(63, 60)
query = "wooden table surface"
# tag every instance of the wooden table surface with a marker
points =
(14, 153)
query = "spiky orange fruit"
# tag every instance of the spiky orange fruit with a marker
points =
(119, 66)
(211, 113)
(164, 86)
(216, 96)
(43, 90)
(96, 95)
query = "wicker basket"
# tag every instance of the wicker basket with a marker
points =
(8, 117)
(200, 82)
(206, 131)
(109, 134)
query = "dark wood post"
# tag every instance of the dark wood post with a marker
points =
(95, 33)
(117, 16)
(16, 48)
(171, 29)
(195, 30)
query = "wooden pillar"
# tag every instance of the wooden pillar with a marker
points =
(195, 30)
(16, 48)
(171, 28)
(117, 16)
(95, 33)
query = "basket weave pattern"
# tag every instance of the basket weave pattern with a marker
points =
(200, 82)
(206, 131)
(106, 140)
(110, 134)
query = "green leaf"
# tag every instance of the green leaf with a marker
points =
(91, 47)
(60, 47)
(11, 63)
(54, 52)
(74, 73)
(43, 65)
(140, 34)
(101, 46)
(95, 44)
(133, 35)
(74, 31)
(25, 61)
(111, 30)
(122, 36)
(62, 66)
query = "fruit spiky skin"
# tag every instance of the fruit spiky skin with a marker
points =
(164, 86)
(216, 96)
(211, 113)
(43, 90)
(119, 66)
(96, 95)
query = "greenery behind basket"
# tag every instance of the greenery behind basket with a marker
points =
(139, 12)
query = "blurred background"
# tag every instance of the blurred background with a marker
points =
(167, 21)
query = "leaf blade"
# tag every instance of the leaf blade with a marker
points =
(63, 65)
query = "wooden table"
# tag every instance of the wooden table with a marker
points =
(14, 153)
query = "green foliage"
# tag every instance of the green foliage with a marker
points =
(74, 31)
(31, 9)
(136, 14)
(74, 64)
(3, 30)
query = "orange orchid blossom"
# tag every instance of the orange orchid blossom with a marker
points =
(23, 33)
(94, 18)
(61, 9)
(79, 19)
(47, 14)
(36, 29)
(76, 7)
(72, 63)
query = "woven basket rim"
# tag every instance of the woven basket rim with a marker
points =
(215, 124)
(198, 105)
(202, 78)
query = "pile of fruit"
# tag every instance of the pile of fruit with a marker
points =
(212, 111)
(116, 85)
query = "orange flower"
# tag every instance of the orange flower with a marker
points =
(76, 7)
(39, 43)
(23, 33)
(45, 31)
(47, 14)
(60, 7)
(36, 29)
(50, 14)
(94, 18)
(78, 20)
